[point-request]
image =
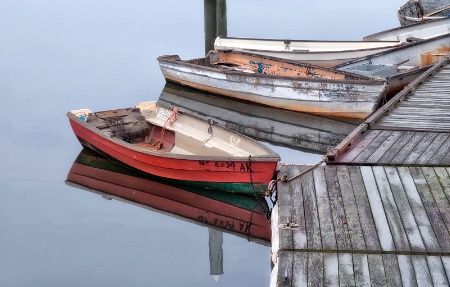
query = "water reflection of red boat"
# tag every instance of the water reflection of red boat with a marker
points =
(239, 214)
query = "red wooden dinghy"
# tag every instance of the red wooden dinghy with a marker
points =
(170, 144)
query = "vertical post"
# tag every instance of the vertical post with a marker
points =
(215, 15)
(221, 17)
(210, 24)
(215, 253)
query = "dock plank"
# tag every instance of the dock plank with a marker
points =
(444, 178)
(316, 269)
(406, 150)
(431, 208)
(374, 145)
(285, 272)
(284, 195)
(298, 211)
(397, 147)
(432, 148)
(392, 270)
(361, 269)
(438, 194)
(391, 210)
(337, 209)
(418, 211)
(437, 271)
(440, 153)
(351, 212)
(313, 233)
(368, 226)
(420, 148)
(407, 272)
(324, 210)
(404, 209)
(421, 270)
(346, 273)
(379, 216)
(376, 270)
(446, 159)
(331, 269)
(300, 274)
(385, 147)
(446, 265)
(360, 146)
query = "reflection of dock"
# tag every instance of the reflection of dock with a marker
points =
(275, 126)
(378, 214)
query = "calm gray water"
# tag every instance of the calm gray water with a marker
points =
(56, 56)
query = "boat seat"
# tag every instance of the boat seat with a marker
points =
(203, 139)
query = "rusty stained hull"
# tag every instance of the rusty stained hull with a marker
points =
(312, 89)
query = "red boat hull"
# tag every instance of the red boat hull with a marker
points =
(248, 176)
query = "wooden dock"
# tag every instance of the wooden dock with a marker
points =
(378, 212)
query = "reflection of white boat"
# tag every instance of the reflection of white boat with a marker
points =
(416, 32)
(416, 11)
(324, 53)
(276, 126)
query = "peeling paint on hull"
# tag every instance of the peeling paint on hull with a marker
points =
(292, 86)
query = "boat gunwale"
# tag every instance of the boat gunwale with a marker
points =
(427, 23)
(299, 52)
(270, 157)
(307, 41)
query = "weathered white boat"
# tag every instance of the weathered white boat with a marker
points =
(323, 53)
(400, 66)
(278, 83)
(415, 11)
(278, 127)
(414, 32)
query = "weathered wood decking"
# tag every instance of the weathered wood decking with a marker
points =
(412, 128)
(348, 221)
(378, 212)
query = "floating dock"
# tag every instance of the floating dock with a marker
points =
(377, 211)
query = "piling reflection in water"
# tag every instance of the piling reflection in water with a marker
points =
(241, 215)
(290, 129)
